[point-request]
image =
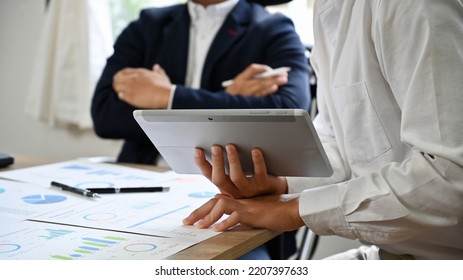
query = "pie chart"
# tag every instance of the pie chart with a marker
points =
(140, 247)
(7, 248)
(43, 199)
(2, 190)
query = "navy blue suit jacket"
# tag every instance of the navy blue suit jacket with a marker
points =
(160, 35)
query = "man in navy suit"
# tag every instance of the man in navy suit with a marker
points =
(177, 57)
(249, 34)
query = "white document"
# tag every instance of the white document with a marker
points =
(84, 174)
(41, 241)
(44, 222)
(157, 214)
(19, 201)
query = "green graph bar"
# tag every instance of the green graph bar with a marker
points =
(62, 231)
(96, 244)
(82, 251)
(115, 238)
(61, 257)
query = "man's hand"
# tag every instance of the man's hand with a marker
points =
(237, 184)
(269, 212)
(247, 85)
(143, 88)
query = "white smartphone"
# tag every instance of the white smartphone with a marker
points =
(266, 74)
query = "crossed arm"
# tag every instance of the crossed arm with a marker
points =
(145, 88)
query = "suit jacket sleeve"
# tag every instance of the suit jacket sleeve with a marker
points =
(112, 117)
(272, 41)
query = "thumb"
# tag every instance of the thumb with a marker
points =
(158, 68)
(253, 70)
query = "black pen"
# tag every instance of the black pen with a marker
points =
(84, 192)
(129, 190)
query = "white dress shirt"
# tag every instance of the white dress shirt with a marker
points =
(390, 93)
(205, 23)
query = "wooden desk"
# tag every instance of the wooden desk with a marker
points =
(227, 245)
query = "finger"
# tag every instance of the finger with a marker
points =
(201, 212)
(229, 222)
(202, 163)
(281, 79)
(158, 69)
(219, 176)
(271, 89)
(119, 88)
(218, 165)
(123, 77)
(117, 82)
(221, 207)
(224, 195)
(269, 85)
(123, 80)
(128, 71)
(260, 168)
(253, 70)
(262, 87)
(236, 171)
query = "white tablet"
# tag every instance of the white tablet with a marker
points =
(287, 138)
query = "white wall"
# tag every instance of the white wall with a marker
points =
(20, 24)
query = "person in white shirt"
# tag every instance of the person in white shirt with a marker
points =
(390, 96)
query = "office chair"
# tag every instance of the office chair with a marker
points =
(312, 83)
(308, 244)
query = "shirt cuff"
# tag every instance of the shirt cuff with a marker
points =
(171, 97)
(320, 210)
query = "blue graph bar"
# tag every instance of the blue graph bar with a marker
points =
(99, 240)
(157, 217)
(89, 248)
(53, 233)
(77, 167)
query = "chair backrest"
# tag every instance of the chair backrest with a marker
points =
(312, 83)
(308, 244)
(309, 238)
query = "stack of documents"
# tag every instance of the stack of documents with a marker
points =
(44, 222)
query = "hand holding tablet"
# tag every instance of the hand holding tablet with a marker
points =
(286, 137)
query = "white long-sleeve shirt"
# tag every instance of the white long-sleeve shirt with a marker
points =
(390, 93)
(205, 23)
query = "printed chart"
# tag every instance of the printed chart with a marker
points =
(45, 222)
(19, 201)
(40, 241)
